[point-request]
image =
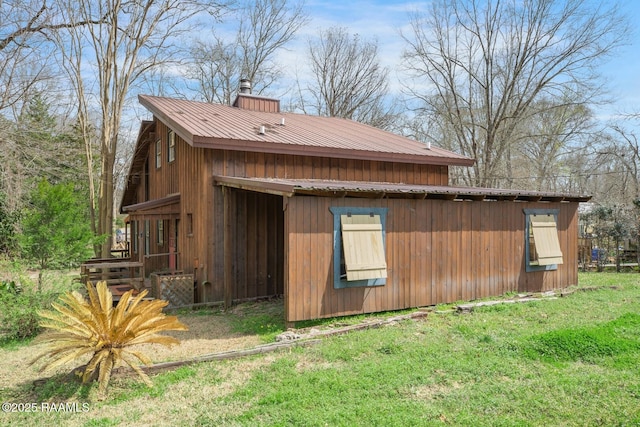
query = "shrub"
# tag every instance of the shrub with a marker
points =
(19, 310)
(55, 231)
(8, 221)
(105, 333)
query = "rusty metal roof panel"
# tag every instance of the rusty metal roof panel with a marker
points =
(291, 187)
(220, 126)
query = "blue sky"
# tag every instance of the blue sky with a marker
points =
(384, 20)
(623, 70)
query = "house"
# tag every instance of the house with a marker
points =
(338, 217)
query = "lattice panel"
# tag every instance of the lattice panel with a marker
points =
(177, 289)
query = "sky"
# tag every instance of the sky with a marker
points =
(383, 20)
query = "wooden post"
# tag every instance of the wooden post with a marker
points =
(229, 202)
(285, 261)
(139, 240)
(172, 254)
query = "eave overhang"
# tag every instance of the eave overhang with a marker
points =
(145, 135)
(169, 205)
(331, 188)
(351, 154)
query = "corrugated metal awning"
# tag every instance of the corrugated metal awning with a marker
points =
(163, 206)
(331, 188)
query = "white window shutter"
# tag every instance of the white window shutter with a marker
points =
(545, 235)
(363, 247)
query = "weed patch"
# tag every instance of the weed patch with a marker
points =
(266, 326)
(612, 339)
(264, 320)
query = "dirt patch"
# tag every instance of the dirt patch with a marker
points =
(209, 332)
(433, 391)
(206, 334)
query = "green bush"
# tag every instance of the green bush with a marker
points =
(19, 310)
(8, 221)
(55, 227)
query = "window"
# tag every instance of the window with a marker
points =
(171, 146)
(542, 248)
(158, 154)
(160, 232)
(189, 224)
(359, 247)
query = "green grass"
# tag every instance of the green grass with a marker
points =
(592, 344)
(132, 389)
(466, 369)
(572, 361)
(267, 326)
(264, 320)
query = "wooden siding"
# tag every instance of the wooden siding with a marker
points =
(267, 165)
(256, 244)
(186, 175)
(252, 281)
(201, 251)
(437, 252)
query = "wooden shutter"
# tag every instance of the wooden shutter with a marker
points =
(545, 235)
(363, 247)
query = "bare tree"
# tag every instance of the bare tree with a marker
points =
(72, 62)
(624, 152)
(482, 65)
(131, 38)
(265, 27)
(542, 143)
(271, 24)
(25, 52)
(216, 68)
(27, 70)
(348, 80)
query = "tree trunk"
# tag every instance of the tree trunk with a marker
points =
(617, 256)
(106, 203)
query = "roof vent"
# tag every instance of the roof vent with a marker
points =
(282, 121)
(262, 130)
(245, 86)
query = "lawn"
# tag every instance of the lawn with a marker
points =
(566, 361)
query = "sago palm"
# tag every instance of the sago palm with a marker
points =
(94, 327)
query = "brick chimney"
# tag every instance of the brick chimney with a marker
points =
(247, 101)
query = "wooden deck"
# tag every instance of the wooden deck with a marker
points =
(121, 274)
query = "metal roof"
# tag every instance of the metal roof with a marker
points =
(150, 205)
(292, 187)
(220, 126)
